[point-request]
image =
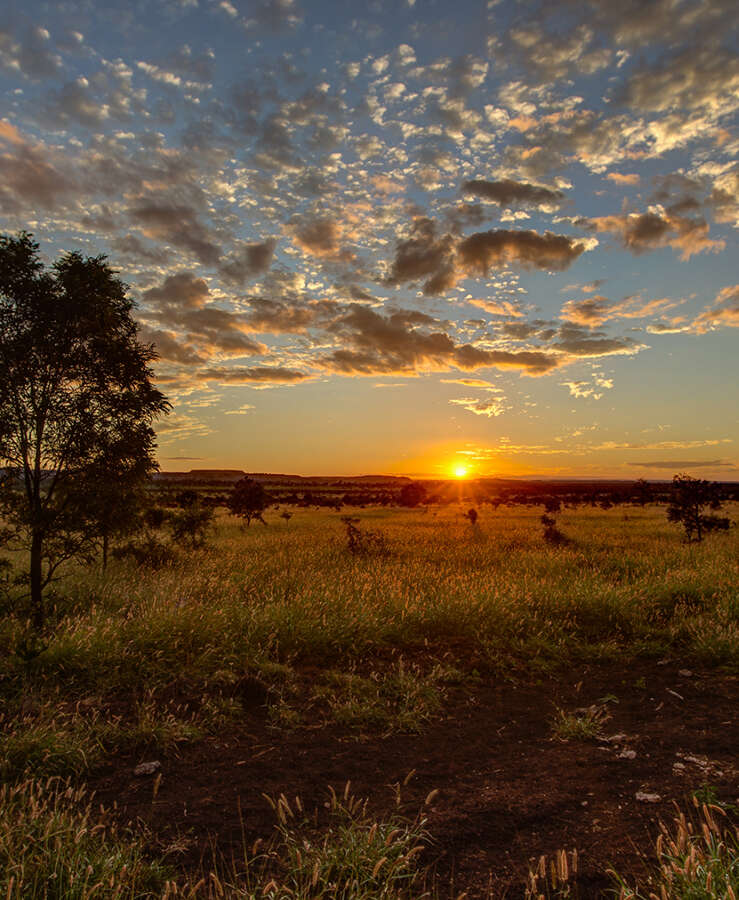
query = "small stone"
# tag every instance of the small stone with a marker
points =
(627, 754)
(678, 766)
(147, 768)
(644, 797)
(615, 738)
(685, 673)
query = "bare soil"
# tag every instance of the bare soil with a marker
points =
(508, 791)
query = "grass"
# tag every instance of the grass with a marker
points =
(288, 620)
(52, 845)
(262, 604)
(697, 859)
(581, 725)
(352, 857)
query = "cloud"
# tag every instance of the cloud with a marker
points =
(588, 389)
(374, 344)
(262, 375)
(177, 225)
(273, 15)
(32, 175)
(168, 347)
(480, 251)
(28, 50)
(678, 465)
(724, 311)
(619, 178)
(247, 261)
(496, 307)
(182, 304)
(319, 236)
(555, 55)
(267, 316)
(470, 382)
(693, 78)
(514, 193)
(489, 407)
(595, 310)
(642, 232)
(425, 254)
(241, 411)
(579, 342)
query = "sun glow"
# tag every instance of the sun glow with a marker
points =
(460, 471)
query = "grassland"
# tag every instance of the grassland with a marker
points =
(140, 661)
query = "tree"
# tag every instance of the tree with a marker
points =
(690, 496)
(412, 494)
(191, 524)
(76, 404)
(643, 492)
(248, 500)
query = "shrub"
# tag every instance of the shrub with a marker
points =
(552, 534)
(364, 543)
(690, 496)
(190, 525)
(148, 551)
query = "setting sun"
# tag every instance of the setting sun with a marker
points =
(460, 471)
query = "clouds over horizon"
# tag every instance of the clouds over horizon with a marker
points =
(296, 194)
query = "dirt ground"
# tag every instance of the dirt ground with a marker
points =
(508, 791)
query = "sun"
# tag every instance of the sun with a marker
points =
(460, 471)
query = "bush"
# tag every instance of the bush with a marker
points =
(364, 543)
(690, 496)
(149, 551)
(190, 526)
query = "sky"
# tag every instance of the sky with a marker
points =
(400, 237)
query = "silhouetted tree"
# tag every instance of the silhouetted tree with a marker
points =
(111, 501)
(642, 492)
(689, 497)
(248, 500)
(412, 494)
(190, 525)
(75, 389)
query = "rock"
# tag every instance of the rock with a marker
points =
(147, 768)
(644, 797)
(615, 738)
(627, 754)
(685, 673)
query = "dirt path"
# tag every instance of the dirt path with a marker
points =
(508, 792)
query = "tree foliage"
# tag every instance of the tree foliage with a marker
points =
(412, 494)
(248, 500)
(76, 405)
(689, 498)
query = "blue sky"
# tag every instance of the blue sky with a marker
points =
(392, 236)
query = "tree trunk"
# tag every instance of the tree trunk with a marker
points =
(105, 550)
(38, 616)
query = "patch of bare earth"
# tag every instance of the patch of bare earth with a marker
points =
(508, 791)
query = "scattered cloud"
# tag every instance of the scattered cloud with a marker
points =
(514, 193)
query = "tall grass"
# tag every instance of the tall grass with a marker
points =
(261, 602)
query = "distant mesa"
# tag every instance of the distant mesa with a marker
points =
(230, 476)
(225, 475)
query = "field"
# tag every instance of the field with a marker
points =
(538, 689)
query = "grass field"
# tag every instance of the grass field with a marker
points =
(376, 642)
